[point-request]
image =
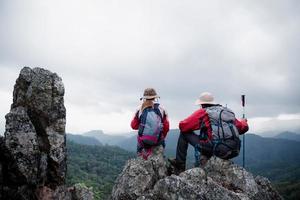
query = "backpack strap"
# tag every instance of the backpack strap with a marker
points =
(220, 124)
(142, 119)
(203, 133)
(232, 131)
(157, 111)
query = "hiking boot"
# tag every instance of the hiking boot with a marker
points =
(175, 167)
(203, 160)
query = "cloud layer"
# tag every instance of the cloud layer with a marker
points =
(107, 52)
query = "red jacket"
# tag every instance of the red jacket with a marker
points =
(192, 123)
(135, 122)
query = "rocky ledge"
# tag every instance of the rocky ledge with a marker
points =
(219, 179)
(33, 149)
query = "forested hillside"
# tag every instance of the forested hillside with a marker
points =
(95, 166)
(98, 166)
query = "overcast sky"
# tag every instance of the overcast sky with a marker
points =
(107, 52)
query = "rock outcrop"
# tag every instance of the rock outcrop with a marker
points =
(33, 151)
(220, 179)
(140, 176)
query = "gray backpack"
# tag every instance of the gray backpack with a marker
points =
(226, 142)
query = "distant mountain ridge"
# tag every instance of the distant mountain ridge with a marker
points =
(80, 139)
(289, 136)
(105, 138)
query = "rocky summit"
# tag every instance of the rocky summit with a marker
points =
(219, 179)
(33, 149)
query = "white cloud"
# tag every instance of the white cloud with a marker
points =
(114, 122)
(268, 126)
(289, 117)
(107, 52)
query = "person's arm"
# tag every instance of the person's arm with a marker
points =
(166, 125)
(241, 125)
(192, 122)
(135, 122)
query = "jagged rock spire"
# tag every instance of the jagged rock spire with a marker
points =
(33, 151)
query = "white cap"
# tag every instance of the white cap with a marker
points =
(205, 98)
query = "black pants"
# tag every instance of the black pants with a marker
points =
(187, 138)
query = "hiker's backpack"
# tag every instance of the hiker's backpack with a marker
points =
(151, 126)
(226, 142)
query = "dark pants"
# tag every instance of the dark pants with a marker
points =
(187, 138)
(140, 147)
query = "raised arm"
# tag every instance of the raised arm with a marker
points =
(241, 125)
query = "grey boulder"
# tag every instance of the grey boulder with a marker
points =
(219, 179)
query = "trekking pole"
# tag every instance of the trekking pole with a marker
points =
(243, 105)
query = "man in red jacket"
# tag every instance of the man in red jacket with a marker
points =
(215, 124)
(144, 120)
